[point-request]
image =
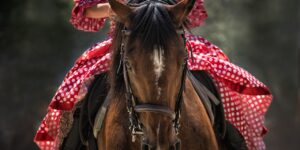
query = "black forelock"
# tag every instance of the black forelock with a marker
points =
(152, 26)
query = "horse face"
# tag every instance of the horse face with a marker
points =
(154, 57)
(155, 78)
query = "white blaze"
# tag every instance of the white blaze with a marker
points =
(158, 62)
(157, 135)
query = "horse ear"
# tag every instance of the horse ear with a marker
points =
(181, 10)
(121, 10)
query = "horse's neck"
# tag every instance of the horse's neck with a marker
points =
(115, 133)
(195, 122)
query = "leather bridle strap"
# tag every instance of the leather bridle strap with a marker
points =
(156, 109)
(135, 126)
(180, 99)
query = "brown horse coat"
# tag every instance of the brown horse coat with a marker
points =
(196, 131)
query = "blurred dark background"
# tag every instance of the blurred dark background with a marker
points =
(38, 46)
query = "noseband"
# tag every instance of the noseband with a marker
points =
(133, 108)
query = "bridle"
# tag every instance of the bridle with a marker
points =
(134, 108)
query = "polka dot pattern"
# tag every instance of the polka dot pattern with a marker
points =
(245, 99)
(198, 14)
(73, 89)
(79, 21)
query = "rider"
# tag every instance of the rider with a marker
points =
(245, 99)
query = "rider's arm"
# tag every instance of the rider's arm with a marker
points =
(198, 14)
(101, 10)
(89, 15)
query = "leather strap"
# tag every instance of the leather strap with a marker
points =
(206, 96)
(155, 109)
(213, 98)
(100, 116)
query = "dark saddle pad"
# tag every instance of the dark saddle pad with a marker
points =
(227, 135)
(81, 135)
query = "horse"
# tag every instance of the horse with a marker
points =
(153, 105)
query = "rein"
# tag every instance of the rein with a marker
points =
(133, 108)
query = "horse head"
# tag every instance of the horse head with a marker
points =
(153, 63)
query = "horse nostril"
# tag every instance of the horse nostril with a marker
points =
(145, 146)
(178, 145)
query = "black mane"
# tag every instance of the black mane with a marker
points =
(153, 26)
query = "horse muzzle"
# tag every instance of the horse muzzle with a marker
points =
(175, 146)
